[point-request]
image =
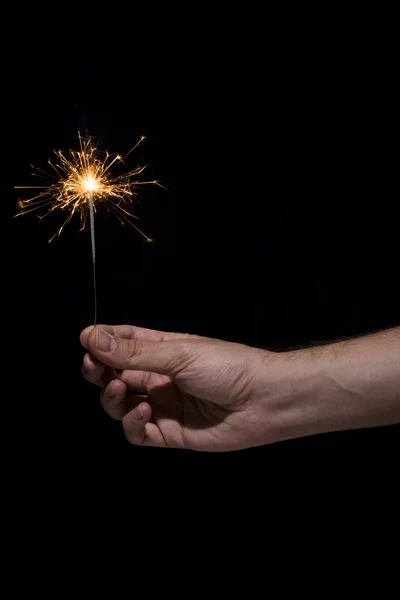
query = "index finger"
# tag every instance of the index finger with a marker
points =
(96, 372)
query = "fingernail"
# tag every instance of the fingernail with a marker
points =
(110, 390)
(104, 342)
(137, 413)
(88, 360)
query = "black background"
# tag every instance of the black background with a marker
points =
(279, 228)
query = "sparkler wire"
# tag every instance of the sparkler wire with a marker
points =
(92, 237)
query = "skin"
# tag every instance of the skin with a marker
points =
(184, 391)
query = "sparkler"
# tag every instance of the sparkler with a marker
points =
(79, 182)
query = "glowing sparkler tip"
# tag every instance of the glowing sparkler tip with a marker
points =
(90, 184)
(83, 175)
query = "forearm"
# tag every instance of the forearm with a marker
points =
(346, 385)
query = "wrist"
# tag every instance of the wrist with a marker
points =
(310, 399)
(292, 390)
(346, 385)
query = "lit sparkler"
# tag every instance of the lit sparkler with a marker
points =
(82, 180)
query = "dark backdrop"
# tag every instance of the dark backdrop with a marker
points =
(278, 229)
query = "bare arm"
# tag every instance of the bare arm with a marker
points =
(183, 391)
(345, 385)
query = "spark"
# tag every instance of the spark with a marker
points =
(78, 182)
(84, 177)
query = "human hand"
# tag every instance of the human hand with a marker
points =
(179, 390)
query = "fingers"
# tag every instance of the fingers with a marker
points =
(113, 399)
(96, 372)
(163, 357)
(138, 382)
(134, 413)
(116, 401)
(139, 431)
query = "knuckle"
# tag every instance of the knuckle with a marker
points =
(244, 380)
(134, 438)
(180, 358)
(130, 349)
(84, 371)
(103, 401)
(112, 408)
(131, 432)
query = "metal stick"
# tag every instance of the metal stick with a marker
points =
(91, 212)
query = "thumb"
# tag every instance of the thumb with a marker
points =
(164, 357)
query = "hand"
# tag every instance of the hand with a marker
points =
(179, 390)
